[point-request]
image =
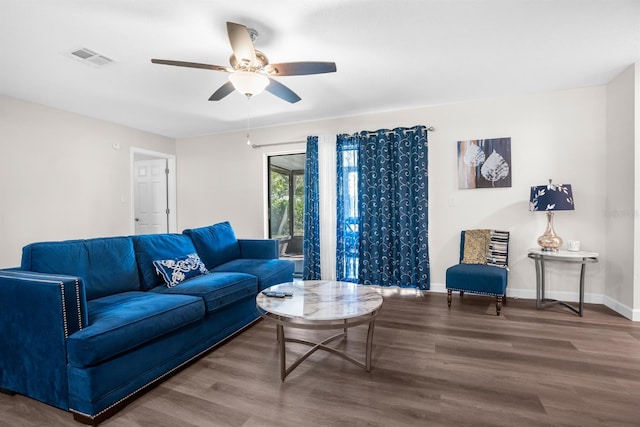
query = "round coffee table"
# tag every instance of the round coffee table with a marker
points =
(319, 304)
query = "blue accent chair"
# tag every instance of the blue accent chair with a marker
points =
(478, 278)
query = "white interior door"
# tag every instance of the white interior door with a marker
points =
(150, 196)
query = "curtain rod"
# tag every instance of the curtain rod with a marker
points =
(255, 146)
(278, 143)
(390, 131)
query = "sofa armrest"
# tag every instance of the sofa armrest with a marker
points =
(258, 248)
(39, 311)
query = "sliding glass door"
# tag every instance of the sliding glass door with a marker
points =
(286, 205)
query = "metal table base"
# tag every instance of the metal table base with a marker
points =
(284, 370)
(320, 305)
(562, 256)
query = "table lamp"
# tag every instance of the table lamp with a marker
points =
(550, 198)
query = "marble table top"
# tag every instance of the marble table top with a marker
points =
(321, 300)
(563, 253)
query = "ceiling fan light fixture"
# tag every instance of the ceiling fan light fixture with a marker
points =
(250, 69)
(249, 83)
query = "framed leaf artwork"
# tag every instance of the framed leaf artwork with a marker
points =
(484, 163)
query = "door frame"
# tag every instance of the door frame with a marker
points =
(135, 154)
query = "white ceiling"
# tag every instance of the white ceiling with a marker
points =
(390, 54)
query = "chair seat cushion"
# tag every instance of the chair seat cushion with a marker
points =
(118, 323)
(218, 290)
(477, 278)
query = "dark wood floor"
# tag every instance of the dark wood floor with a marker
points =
(432, 366)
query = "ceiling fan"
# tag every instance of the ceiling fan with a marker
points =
(250, 70)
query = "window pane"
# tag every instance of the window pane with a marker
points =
(298, 204)
(348, 214)
(280, 216)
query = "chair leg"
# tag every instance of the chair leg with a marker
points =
(449, 297)
(461, 294)
(498, 305)
(504, 299)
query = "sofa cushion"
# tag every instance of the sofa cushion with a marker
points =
(177, 270)
(106, 265)
(118, 323)
(218, 290)
(216, 244)
(268, 271)
(152, 247)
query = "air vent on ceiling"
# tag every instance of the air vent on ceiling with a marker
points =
(89, 57)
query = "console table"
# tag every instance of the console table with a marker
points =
(577, 257)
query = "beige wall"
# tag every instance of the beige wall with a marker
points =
(61, 178)
(558, 135)
(621, 212)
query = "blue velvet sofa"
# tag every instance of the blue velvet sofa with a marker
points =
(89, 324)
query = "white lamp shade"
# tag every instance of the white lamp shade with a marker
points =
(248, 83)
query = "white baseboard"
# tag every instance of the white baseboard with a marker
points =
(614, 305)
(618, 307)
(438, 287)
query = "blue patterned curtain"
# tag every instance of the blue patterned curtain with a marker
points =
(393, 204)
(311, 239)
(382, 208)
(347, 222)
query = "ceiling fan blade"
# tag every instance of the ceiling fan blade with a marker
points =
(191, 65)
(281, 91)
(300, 68)
(241, 44)
(222, 91)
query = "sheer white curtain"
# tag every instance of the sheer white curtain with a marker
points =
(327, 189)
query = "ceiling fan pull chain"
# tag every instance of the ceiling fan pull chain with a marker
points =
(248, 116)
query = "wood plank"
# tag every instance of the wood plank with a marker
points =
(431, 366)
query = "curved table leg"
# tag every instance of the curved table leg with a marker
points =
(283, 363)
(369, 345)
(542, 301)
(284, 370)
(539, 282)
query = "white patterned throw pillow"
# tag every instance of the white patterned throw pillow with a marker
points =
(176, 271)
(498, 249)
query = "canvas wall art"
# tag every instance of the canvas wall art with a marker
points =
(484, 163)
